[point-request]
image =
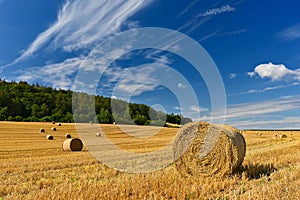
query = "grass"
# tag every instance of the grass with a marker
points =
(32, 167)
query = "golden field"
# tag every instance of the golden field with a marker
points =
(32, 167)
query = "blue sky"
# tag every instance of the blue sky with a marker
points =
(254, 44)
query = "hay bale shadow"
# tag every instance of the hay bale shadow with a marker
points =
(256, 171)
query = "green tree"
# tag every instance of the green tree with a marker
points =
(104, 117)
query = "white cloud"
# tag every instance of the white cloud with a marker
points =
(59, 75)
(216, 11)
(81, 24)
(232, 76)
(291, 33)
(195, 112)
(181, 86)
(132, 24)
(275, 72)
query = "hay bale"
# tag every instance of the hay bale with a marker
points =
(53, 122)
(42, 130)
(68, 135)
(73, 144)
(58, 124)
(203, 149)
(49, 137)
(283, 136)
(98, 134)
(53, 129)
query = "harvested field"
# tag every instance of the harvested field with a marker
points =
(34, 168)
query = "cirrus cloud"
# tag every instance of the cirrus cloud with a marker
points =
(81, 24)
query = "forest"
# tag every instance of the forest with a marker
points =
(20, 101)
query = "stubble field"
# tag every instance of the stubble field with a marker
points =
(32, 167)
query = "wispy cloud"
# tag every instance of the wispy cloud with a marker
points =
(290, 33)
(233, 33)
(267, 123)
(58, 75)
(217, 11)
(259, 108)
(81, 24)
(254, 114)
(275, 72)
(195, 112)
(188, 7)
(254, 91)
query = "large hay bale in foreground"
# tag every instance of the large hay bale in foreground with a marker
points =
(204, 149)
(49, 137)
(73, 144)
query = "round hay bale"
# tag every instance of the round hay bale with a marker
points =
(53, 122)
(98, 134)
(73, 144)
(42, 130)
(53, 129)
(203, 149)
(49, 137)
(283, 136)
(58, 124)
(68, 135)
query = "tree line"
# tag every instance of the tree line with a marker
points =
(35, 103)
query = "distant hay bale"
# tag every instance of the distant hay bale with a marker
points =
(73, 144)
(98, 134)
(114, 123)
(53, 129)
(283, 136)
(49, 137)
(170, 125)
(58, 124)
(208, 150)
(53, 122)
(68, 135)
(42, 130)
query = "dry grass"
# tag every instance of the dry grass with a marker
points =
(34, 168)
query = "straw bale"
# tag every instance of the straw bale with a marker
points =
(49, 137)
(203, 149)
(72, 144)
(283, 136)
